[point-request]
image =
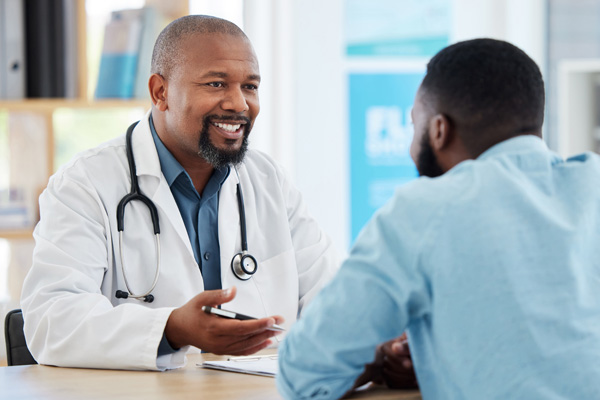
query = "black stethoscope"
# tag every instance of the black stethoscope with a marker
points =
(243, 264)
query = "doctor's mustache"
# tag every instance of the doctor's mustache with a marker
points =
(227, 118)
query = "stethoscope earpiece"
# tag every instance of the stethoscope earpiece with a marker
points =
(120, 294)
(149, 298)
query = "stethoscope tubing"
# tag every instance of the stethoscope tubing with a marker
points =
(156, 274)
(136, 194)
(237, 263)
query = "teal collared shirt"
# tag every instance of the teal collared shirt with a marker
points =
(199, 214)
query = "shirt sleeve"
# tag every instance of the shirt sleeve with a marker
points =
(375, 293)
(164, 347)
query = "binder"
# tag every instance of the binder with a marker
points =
(12, 49)
(37, 53)
(148, 37)
(2, 51)
(71, 72)
(120, 51)
(57, 43)
(44, 52)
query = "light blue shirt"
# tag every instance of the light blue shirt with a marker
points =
(493, 269)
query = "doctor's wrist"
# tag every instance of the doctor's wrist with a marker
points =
(173, 333)
(164, 347)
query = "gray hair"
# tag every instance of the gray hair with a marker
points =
(168, 53)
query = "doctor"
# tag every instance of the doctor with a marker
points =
(102, 295)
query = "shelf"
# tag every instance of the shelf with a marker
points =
(41, 105)
(16, 233)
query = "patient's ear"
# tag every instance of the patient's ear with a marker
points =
(440, 132)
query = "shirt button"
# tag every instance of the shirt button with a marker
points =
(206, 255)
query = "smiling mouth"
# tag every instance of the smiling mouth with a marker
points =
(227, 127)
(229, 131)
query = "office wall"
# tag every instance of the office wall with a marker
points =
(303, 100)
(321, 102)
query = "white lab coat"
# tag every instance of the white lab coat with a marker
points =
(72, 317)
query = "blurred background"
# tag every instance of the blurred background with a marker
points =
(338, 82)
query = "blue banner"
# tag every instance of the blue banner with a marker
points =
(396, 28)
(380, 136)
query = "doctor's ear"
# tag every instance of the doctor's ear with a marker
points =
(158, 91)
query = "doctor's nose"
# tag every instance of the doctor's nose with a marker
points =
(235, 101)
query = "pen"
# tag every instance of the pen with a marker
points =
(233, 315)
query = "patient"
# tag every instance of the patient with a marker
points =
(490, 261)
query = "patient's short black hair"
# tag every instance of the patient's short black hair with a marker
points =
(489, 89)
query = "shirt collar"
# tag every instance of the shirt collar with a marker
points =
(172, 169)
(517, 144)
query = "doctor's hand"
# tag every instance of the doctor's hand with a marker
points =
(189, 325)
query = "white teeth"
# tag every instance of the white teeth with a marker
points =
(227, 127)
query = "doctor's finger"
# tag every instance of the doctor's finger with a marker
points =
(246, 343)
(214, 297)
(252, 350)
(245, 328)
(240, 345)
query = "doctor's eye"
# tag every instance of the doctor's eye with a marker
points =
(216, 84)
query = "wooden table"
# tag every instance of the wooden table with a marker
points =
(52, 383)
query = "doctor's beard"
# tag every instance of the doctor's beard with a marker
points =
(221, 157)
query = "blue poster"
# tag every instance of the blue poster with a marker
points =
(404, 28)
(380, 136)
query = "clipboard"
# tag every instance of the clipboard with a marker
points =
(253, 365)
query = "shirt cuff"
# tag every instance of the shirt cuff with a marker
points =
(164, 347)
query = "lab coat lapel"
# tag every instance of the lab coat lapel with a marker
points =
(163, 198)
(152, 181)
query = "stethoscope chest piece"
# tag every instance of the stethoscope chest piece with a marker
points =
(244, 265)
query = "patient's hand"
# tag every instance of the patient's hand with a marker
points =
(397, 369)
(392, 366)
